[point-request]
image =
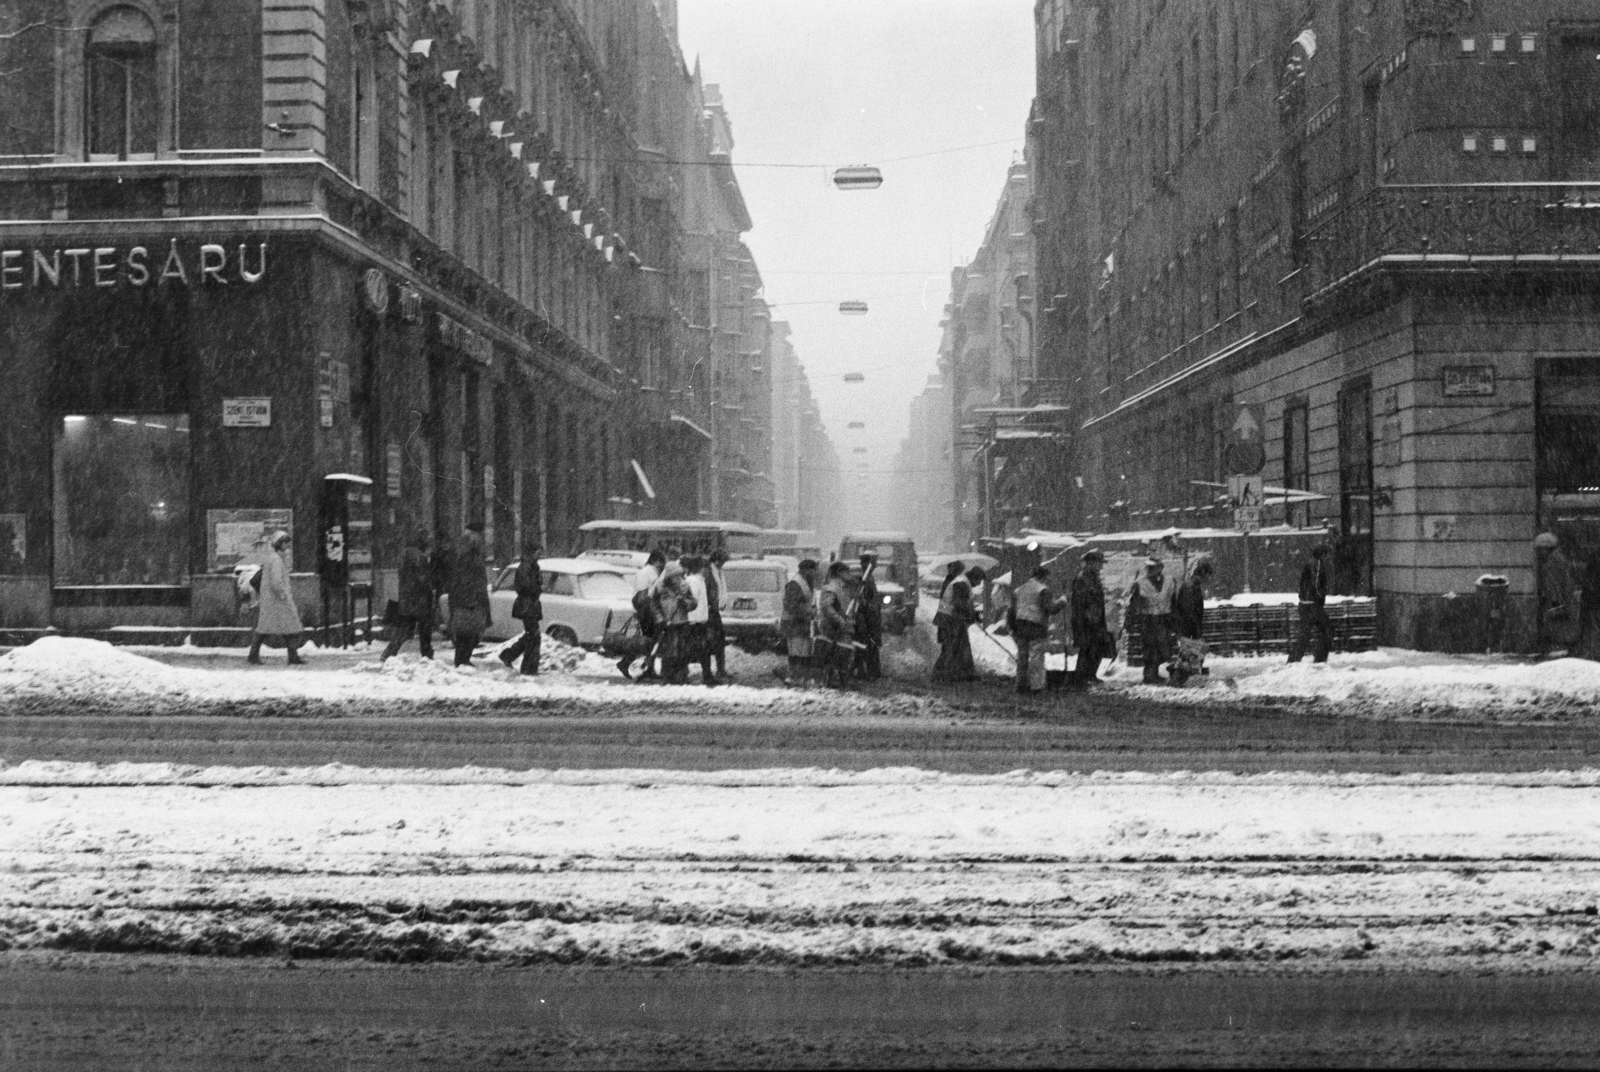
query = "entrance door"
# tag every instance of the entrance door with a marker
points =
(1353, 556)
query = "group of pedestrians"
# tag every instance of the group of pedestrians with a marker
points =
(834, 631)
(677, 602)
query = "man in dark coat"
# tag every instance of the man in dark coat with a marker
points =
(416, 599)
(869, 622)
(1315, 629)
(528, 610)
(1188, 619)
(1088, 612)
(799, 615)
(469, 593)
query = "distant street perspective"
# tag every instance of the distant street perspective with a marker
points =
(1073, 540)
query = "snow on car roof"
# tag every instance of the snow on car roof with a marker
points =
(576, 565)
(670, 526)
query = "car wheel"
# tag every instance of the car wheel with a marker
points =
(564, 634)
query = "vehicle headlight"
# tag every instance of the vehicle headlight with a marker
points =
(888, 599)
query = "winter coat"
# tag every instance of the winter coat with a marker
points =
(1314, 581)
(530, 588)
(279, 616)
(1150, 598)
(798, 612)
(701, 613)
(673, 598)
(1088, 606)
(835, 612)
(1035, 602)
(469, 582)
(869, 608)
(416, 584)
(955, 607)
(1189, 610)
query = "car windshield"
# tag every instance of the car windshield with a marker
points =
(753, 580)
(606, 586)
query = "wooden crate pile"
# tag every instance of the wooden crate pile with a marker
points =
(1268, 630)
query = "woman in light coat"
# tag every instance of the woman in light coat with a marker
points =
(278, 616)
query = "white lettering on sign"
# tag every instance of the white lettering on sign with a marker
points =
(1467, 380)
(247, 413)
(112, 267)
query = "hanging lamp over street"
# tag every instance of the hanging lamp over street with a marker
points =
(858, 178)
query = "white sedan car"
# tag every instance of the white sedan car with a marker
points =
(583, 598)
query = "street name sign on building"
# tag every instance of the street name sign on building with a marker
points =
(247, 413)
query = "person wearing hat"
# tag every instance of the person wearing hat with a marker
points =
(1088, 619)
(527, 609)
(1029, 617)
(278, 616)
(1188, 618)
(469, 592)
(869, 621)
(799, 613)
(1559, 597)
(1150, 599)
(1315, 630)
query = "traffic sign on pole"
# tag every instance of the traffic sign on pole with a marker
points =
(1246, 451)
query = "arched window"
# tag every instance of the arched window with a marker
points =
(122, 103)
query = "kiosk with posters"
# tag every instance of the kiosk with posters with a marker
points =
(344, 554)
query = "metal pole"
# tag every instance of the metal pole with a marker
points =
(1246, 537)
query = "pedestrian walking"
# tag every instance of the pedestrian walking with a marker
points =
(469, 593)
(698, 635)
(716, 595)
(1587, 645)
(869, 622)
(644, 610)
(1150, 600)
(1560, 600)
(416, 602)
(673, 603)
(1088, 620)
(1188, 620)
(1032, 604)
(278, 618)
(954, 618)
(799, 615)
(1314, 630)
(527, 608)
(835, 626)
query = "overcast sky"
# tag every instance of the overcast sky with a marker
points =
(838, 82)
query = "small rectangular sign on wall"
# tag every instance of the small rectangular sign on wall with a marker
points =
(1467, 380)
(247, 413)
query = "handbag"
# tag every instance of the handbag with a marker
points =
(628, 640)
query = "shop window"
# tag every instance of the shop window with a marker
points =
(121, 86)
(122, 499)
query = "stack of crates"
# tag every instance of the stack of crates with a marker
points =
(1269, 630)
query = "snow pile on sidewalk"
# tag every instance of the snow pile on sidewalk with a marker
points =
(1393, 682)
(69, 674)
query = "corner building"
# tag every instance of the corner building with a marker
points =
(247, 244)
(1374, 219)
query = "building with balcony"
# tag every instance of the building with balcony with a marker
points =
(1372, 222)
(444, 247)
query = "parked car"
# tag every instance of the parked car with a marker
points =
(752, 605)
(583, 598)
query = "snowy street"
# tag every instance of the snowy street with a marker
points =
(797, 866)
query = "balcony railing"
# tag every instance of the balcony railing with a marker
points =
(1455, 227)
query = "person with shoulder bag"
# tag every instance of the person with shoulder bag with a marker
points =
(528, 608)
(644, 612)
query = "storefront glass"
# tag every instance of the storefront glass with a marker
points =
(122, 499)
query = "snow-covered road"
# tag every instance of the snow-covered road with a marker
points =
(797, 865)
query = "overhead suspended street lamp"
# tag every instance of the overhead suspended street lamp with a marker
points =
(858, 178)
(858, 424)
(853, 308)
(854, 377)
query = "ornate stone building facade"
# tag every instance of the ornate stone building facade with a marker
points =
(452, 248)
(1369, 222)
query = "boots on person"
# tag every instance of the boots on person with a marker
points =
(255, 650)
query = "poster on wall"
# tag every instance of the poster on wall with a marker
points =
(13, 542)
(231, 535)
